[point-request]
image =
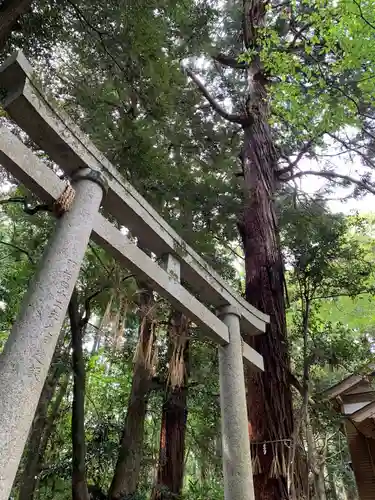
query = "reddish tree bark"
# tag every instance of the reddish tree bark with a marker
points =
(170, 474)
(126, 476)
(268, 395)
(172, 445)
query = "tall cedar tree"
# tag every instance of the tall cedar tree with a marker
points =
(286, 43)
(268, 396)
(293, 75)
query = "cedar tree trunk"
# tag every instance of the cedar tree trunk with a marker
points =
(170, 474)
(126, 476)
(269, 398)
(268, 394)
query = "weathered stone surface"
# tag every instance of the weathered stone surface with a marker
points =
(24, 364)
(24, 165)
(54, 132)
(238, 477)
(25, 361)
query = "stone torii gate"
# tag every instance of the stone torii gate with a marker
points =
(28, 352)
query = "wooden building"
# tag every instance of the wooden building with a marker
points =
(354, 398)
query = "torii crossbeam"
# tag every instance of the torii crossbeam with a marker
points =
(28, 352)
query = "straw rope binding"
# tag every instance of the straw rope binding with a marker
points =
(64, 201)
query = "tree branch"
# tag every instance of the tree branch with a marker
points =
(11, 245)
(231, 117)
(226, 245)
(100, 34)
(82, 16)
(291, 164)
(231, 62)
(369, 134)
(298, 34)
(26, 207)
(348, 147)
(332, 176)
(338, 295)
(292, 379)
(87, 304)
(361, 15)
(96, 254)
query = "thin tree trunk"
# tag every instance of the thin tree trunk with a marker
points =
(170, 474)
(172, 446)
(79, 483)
(126, 476)
(10, 12)
(321, 485)
(49, 427)
(314, 466)
(52, 417)
(306, 380)
(332, 486)
(305, 397)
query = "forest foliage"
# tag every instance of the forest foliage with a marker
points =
(170, 91)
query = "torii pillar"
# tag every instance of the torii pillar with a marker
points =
(29, 349)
